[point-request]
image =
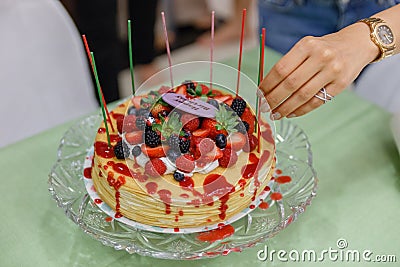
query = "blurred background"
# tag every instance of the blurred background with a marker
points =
(105, 24)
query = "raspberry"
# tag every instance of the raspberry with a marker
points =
(185, 163)
(228, 159)
(155, 167)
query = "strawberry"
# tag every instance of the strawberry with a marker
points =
(204, 89)
(229, 102)
(209, 157)
(236, 141)
(248, 117)
(158, 108)
(136, 101)
(223, 98)
(190, 122)
(216, 92)
(129, 123)
(228, 158)
(134, 138)
(251, 144)
(154, 152)
(185, 163)
(163, 90)
(155, 167)
(181, 89)
(206, 145)
(120, 123)
(201, 132)
(211, 125)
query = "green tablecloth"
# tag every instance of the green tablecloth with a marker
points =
(358, 197)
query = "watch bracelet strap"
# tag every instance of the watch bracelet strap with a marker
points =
(372, 22)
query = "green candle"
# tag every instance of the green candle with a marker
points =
(100, 96)
(130, 56)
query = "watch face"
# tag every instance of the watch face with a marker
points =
(385, 34)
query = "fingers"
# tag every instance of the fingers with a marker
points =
(296, 80)
(287, 64)
(304, 94)
(313, 103)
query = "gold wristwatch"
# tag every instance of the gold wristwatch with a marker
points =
(382, 36)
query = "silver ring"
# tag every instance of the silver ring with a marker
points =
(326, 97)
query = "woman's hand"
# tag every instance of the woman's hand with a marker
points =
(332, 62)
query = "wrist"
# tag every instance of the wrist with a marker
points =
(359, 32)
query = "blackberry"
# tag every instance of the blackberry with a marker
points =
(132, 111)
(173, 141)
(213, 102)
(143, 113)
(173, 154)
(151, 138)
(184, 145)
(140, 123)
(238, 105)
(242, 127)
(220, 141)
(136, 151)
(148, 128)
(178, 176)
(246, 125)
(121, 150)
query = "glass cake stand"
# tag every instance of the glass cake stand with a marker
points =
(285, 202)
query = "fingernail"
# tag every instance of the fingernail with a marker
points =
(291, 115)
(276, 116)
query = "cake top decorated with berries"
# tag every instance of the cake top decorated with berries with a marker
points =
(190, 146)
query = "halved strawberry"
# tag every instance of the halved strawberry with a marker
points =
(206, 145)
(164, 89)
(158, 108)
(248, 117)
(251, 144)
(181, 89)
(223, 98)
(185, 163)
(202, 132)
(134, 138)
(210, 124)
(154, 152)
(228, 159)
(216, 92)
(204, 89)
(129, 123)
(155, 167)
(136, 101)
(236, 141)
(190, 122)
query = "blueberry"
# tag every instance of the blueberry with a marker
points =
(178, 176)
(220, 140)
(213, 102)
(136, 151)
(132, 111)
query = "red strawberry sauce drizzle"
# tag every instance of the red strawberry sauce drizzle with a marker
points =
(216, 234)
(117, 185)
(103, 150)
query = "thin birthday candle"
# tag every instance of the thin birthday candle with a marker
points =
(100, 95)
(260, 64)
(260, 76)
(240, 50)
(130, 56)
(212, 47)
(167, 46)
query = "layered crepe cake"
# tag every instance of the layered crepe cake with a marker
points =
(183, 157)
